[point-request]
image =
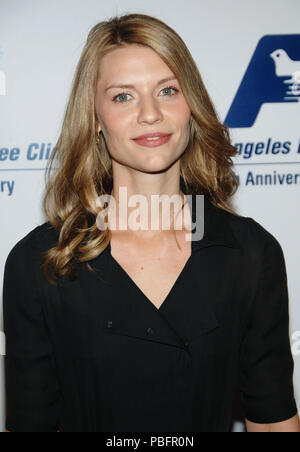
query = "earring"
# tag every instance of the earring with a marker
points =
(98, 137)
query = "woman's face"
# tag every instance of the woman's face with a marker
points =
(148, 106)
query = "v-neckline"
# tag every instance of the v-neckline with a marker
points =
(124, 273)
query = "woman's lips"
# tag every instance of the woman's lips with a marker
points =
(153, 143)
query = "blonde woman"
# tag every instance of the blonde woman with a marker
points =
(125, 329)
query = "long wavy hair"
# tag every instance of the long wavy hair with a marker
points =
(83, 165)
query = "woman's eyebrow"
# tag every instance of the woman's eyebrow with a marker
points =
(164, 80)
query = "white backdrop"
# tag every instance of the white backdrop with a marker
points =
(231, 42)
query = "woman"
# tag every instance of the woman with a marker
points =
(144, 330)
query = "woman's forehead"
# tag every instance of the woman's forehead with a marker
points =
(136, 62)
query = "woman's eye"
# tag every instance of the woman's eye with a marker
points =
(171, 88)
(115, 99)
(120, 97)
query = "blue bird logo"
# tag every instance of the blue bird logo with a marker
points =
(286, 67)
(273, 76)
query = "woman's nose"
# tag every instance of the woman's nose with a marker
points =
(150, 110)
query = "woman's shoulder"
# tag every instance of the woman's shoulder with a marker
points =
(23, 264)
(251, 235)
(36, 241)
(245, 232)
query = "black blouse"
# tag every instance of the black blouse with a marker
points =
(95, 355)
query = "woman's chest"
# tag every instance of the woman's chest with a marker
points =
(153, 273)
(155, 278)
